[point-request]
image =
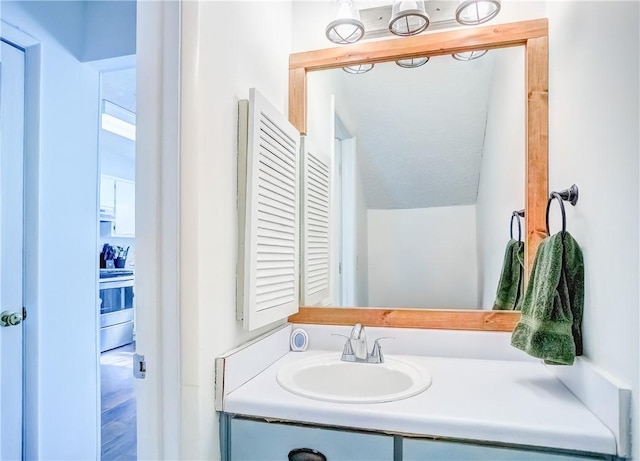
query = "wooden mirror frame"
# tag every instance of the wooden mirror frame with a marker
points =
(533, 35)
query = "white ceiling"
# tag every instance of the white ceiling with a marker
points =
(419, 132)
(119, 87)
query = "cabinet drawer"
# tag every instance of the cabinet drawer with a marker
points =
(425, 450)
(261, 441)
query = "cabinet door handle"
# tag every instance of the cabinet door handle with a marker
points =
(306, 454)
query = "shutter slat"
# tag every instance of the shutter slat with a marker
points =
(268, 121)
(287, 203)
(265, 287)
(269, 269)
(267, 142)
(270, 161)
(276, 193)
(269, 219)
(272, 300)
(276, 234)
(275, 208)
(318, 190)
(278, 162)
(268, 174)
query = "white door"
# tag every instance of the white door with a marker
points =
(11, 249)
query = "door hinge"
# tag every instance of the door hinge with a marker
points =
(139, 366)
(24, 313)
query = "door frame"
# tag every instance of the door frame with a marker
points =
(348, 246)
(158, 338)
(31, 47)
(12, 365)
(341, 134)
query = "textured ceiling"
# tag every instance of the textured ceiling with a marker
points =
(419, 132)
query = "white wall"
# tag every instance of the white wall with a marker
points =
(423, 257)
(594, 60)
(61, 330)
(221, 60)
(501, 187)
(308, 25)
(320, 135)
(321, 87)
(117, 156)
(361, 297)
(109, 29)
(354, 228)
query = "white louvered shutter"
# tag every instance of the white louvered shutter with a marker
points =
(316, 227)
(268, 288)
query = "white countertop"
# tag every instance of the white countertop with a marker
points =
(509, 402)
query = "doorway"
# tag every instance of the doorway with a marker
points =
(116, 280)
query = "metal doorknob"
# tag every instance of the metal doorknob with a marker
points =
(10, 319)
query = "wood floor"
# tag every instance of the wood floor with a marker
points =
(118, 404)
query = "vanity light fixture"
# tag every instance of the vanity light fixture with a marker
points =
(358, 68)
(474, 12)
(346, 27)
(410, 63)
(408, 17)
(469, 55)
(405, 18)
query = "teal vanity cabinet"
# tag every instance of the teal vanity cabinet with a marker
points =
(251, 440)
(422, 450)
(258, 440)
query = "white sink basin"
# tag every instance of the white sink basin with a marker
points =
(326, 377)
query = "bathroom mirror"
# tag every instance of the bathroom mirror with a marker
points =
(532, 36)
(434, 165)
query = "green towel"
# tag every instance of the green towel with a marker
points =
(551, 322)
(509, 293)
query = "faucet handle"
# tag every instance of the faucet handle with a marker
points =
(357, 331)
(376, 352)
(348, 348)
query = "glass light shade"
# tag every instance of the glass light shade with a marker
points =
(469, 55)
(358, 68)
(473, 12)
(410, 63)
(347, 27)
(408, 17)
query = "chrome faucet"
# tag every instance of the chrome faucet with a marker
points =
(359, 342)
(355, 349)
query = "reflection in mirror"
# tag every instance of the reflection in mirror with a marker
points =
(428, 166)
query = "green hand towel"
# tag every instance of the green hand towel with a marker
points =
(509, 293)
(551, 322)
